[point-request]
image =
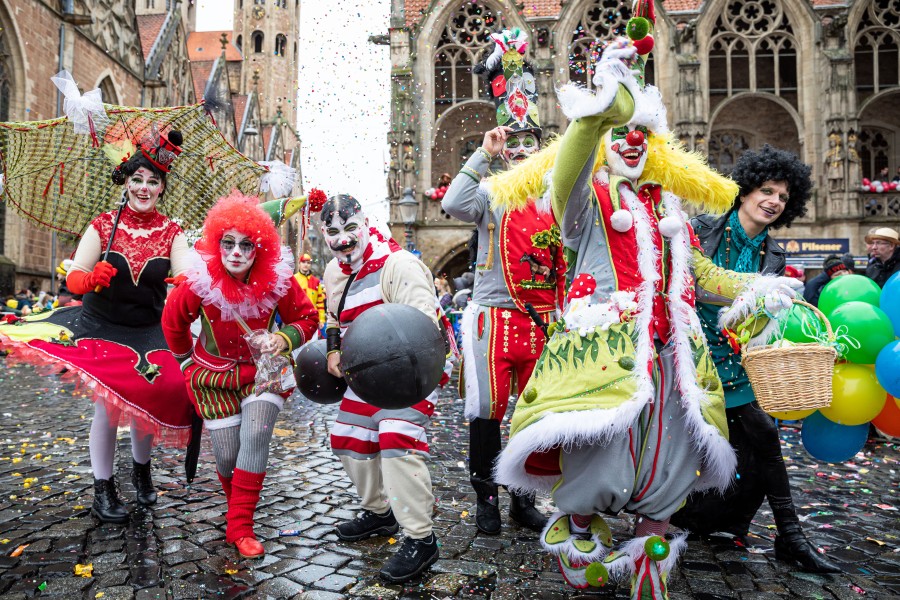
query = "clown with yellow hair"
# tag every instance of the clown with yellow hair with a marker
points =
(624, 410)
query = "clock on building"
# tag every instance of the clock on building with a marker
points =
(259, 12)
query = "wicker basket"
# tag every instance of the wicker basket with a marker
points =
(792, 378)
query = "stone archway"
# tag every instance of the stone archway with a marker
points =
(747, 122)
(879, 137)
(454, 263)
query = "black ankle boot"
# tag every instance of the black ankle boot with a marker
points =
(523, 512)
(367, 524)
(143, 485)
(107, 507)
(793, 547)
(487, 507)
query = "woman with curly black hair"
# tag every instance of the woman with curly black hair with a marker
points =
(774, 189)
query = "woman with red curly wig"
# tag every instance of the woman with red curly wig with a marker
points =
(242, 276)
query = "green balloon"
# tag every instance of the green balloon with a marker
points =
(866, 324)
(848, 288)
(792, 326)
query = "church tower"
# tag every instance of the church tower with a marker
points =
(266, 33)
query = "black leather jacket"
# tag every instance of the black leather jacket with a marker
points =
(710, 229)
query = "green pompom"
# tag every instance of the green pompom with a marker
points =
(530, 395)
(656, 548)
(596, 574)
(627, 363)
(637, 28)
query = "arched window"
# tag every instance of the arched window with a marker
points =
(465, 37)
(752, 48)
(724, 148)
(876, 53)
(280, 44)
(239, 43)
(108, 91)
(257, 38)
(601, 21)
(874, 150)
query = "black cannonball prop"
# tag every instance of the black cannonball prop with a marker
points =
(393, 356)
(313, 379)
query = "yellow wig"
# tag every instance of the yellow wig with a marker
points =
(678, 170)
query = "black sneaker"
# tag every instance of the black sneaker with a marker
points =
(413, 557)
(366, 524)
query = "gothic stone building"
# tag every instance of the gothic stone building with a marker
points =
(818, 77)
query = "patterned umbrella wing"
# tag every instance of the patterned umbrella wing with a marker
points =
(61, 180)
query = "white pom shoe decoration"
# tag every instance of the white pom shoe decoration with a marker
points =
(621, 220)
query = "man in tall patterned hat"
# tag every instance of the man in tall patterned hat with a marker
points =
(311, 285)
(625, 410)
(383, 451)
(520, 262)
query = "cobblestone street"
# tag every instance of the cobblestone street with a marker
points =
(177, 550)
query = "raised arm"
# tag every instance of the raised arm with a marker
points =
(466, 199)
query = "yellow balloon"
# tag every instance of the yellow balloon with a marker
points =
(13, 304)
(856, 396)
(792, 415)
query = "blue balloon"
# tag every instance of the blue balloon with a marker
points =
(890, 301)
(829, 442)
(887, 368)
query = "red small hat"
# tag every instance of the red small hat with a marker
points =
(582, 286)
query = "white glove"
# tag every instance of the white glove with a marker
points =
(779, 298)
(615, 62)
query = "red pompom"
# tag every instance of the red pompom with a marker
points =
(644, 46)
(316, 200)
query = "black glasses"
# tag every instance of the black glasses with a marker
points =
(246, 246)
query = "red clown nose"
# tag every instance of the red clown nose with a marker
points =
(635, 138)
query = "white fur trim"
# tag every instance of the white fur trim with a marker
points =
(544, 204)
(568, 430)
(232, 421)
(577, 101)
(670, 226)
(718, 461)
(621, 220)
(649, 109)
(634, 549)
(201, 283)
(568, 548)
(473, 397)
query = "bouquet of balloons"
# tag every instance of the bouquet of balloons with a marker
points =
(437, 193)
(878, 187)
(866, 382)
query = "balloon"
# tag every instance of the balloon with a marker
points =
(856, 396)
(792, 325)
(792, 415)
(830, 442)
(866, 324)
(887, 368)
(890, 301)
(848, 288)
(888, 420)
(866, 181)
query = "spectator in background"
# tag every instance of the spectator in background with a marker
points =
(896, 178)
(464, 284)
(442, 288)
(833, 267)
(795, 272)
(884, 174)
(885, 253)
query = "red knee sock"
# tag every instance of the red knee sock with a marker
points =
(245, 489)
(226, 486)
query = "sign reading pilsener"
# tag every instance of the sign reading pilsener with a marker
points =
(815, 246)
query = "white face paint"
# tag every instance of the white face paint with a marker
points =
(520, 146)
(347, 239)
(238, 253)
(626, 150)
(143, 189)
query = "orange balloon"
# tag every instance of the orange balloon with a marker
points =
(888, 420)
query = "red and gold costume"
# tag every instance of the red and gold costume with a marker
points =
(314, 290)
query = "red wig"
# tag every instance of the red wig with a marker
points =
(242, 213)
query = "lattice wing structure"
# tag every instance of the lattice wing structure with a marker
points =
(61, 180)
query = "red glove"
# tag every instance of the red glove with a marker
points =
(82, 283)
(176, 281)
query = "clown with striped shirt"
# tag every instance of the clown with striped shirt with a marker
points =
(383, 451)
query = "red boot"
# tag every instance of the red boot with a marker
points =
(245, 489)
